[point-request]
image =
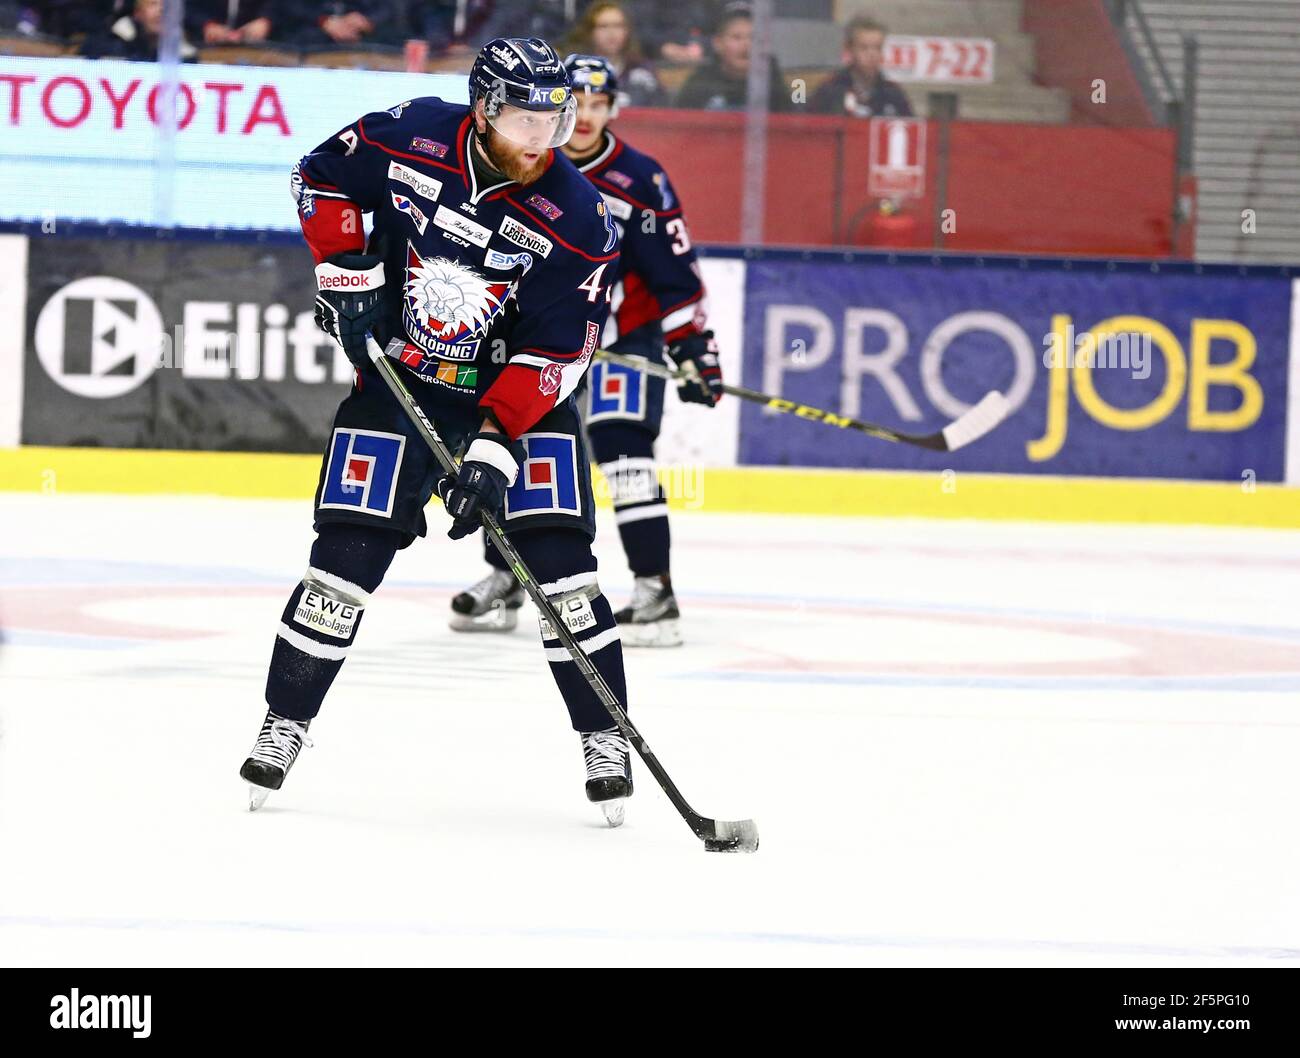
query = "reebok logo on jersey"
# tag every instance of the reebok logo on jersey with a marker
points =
(425, 186)
(451, 221)
(525, 237)
(404, 205)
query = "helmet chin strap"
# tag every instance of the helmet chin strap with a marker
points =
(485, 162)
(480, 135)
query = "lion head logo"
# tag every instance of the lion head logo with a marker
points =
(450, 301)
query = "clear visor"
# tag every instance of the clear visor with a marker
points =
(536, 129)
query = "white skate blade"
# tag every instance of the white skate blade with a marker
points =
(498, 619)
(666, 633)
(257, 796)
(614, 811)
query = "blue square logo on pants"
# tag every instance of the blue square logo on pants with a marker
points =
(548, 480)
(617, 392)
(361, 474)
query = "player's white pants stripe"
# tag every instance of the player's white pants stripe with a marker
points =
(597, 642)
(566, 584)
(310, 646)
(640, 514)
(354, 592)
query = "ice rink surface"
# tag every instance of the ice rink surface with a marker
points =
(963, 743)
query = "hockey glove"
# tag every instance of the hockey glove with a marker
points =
(490, 466)
(349, 301)
(697, 354)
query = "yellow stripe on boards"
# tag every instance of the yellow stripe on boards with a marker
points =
(760, 490)
(140, 471)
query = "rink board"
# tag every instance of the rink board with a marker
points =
(1193, 419)
(759, 490)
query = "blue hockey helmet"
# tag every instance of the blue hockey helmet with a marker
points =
(526, 92)
(594, 74)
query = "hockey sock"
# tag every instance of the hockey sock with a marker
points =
(320, 622)
(565, 568)
(626, 458)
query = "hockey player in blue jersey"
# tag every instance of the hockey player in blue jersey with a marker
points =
(657, 302)
(487, 277)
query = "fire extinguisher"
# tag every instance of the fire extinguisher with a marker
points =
(890, 227)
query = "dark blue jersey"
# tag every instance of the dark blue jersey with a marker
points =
(500, 292)
(659, 276)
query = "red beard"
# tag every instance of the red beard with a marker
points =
(505, 158)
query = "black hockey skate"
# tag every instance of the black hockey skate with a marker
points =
(609, 772)
(277, 747)
(651, 619)
(491, 605)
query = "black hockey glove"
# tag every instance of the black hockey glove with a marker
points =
(490, 466)
(348, 301)
(698, 354)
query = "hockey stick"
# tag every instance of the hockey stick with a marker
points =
(987, 413)
(718, 835)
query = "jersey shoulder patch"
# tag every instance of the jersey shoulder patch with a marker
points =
(567, 202)
(637, 178)
(426, 125)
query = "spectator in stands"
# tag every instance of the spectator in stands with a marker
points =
(68, 18)
(229, 21)
(343, 23)
(134, 36)
(547, 19)
(605, 29)
(677, 32)
(859, 89)
(445, 23)
(723, 82)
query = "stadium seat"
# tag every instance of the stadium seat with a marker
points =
(450, 64)
(34, 46)
(243, 55)
(357, 59)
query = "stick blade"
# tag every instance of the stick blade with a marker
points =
(983, 417)
(731, 836)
